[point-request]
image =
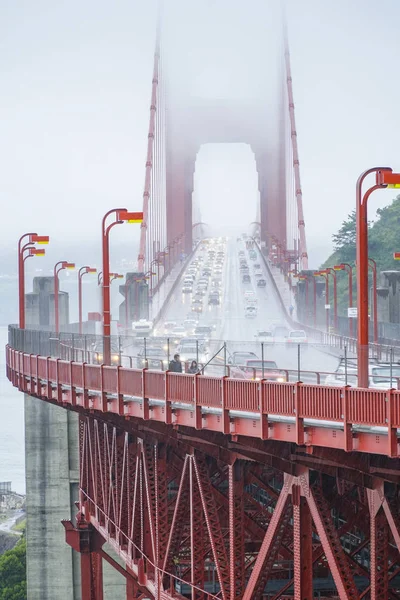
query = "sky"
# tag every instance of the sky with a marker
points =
(75, 92)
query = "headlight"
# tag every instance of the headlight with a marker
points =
(281, 380)
(165, 347)
(183, 358)
(99, 356)
(143, 361)
(165, 362)
(115, 358)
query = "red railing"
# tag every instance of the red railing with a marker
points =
(285, 407)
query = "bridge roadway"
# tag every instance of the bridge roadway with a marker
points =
(238, 331)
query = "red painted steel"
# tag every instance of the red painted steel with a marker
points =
(71, 382)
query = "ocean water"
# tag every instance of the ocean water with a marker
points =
(12, 452)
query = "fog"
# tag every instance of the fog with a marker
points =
(75, 92)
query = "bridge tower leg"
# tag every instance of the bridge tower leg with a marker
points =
(86, 540)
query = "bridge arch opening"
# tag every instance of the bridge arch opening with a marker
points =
(225, 194)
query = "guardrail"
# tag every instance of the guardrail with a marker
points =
(292, 412)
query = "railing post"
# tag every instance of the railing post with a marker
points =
(392, 429)
(73, 387)
(85, 391)
(264, 431)
(58, 385)
(198, 417)
(226, 425)
(168, 408)
(348, 434)
(298, 411)
(145, 400)
(103, 395)
(120, 397)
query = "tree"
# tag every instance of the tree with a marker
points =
(383, 240)
(344, 241)
(13, 573)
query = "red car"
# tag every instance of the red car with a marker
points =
(254, 370)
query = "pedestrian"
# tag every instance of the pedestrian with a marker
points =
(194, 367)
(291, 309)
(175, 365)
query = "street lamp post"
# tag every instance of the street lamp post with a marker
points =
(26, 242)
(121, 216)
(384, 178)
(332, 271)
(60, 266)
(325, 275)
(349, 270)
(82, 271)
(372, 266)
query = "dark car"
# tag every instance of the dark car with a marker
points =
(214, 299)
(246, 278)
(261, 283)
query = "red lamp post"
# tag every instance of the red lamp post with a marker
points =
(60, 266)
(315, 300)
(25, 242)
(372, 266)
(82, 271)
(349, 270)
(331, 271)
(325, 275)
(384, 178)
(121, 216)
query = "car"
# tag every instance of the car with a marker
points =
(202, 287)
(258, 274)
(251, 301)
(252, 255)
(261, 283)
(203, 332)
(214, 299)
(142, 327)
(190, 325)
(200, 292)
(241, 253)
(187, 289)
(193, 351)
(246, 278)
(178, 333)
(256, 266)
(168, 326)
(197, 308)
(151, 358)
(189, 279)
(297, 336)
(206, 272)
(249, 294)
(380, 375)
(98, 354)
(240, 358)
(216, 283)
(265, 336)
(250, 311)
(267, 369)
(217, 271)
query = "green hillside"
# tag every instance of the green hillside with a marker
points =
(383, 240)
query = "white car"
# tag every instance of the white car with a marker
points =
(378, 376)
(168, 327)
(189, 352)
(178, 333)
(297, 336)
(265, 336)
(142, 327)
(250, 311)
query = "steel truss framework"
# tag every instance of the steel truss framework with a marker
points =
(188, 524)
